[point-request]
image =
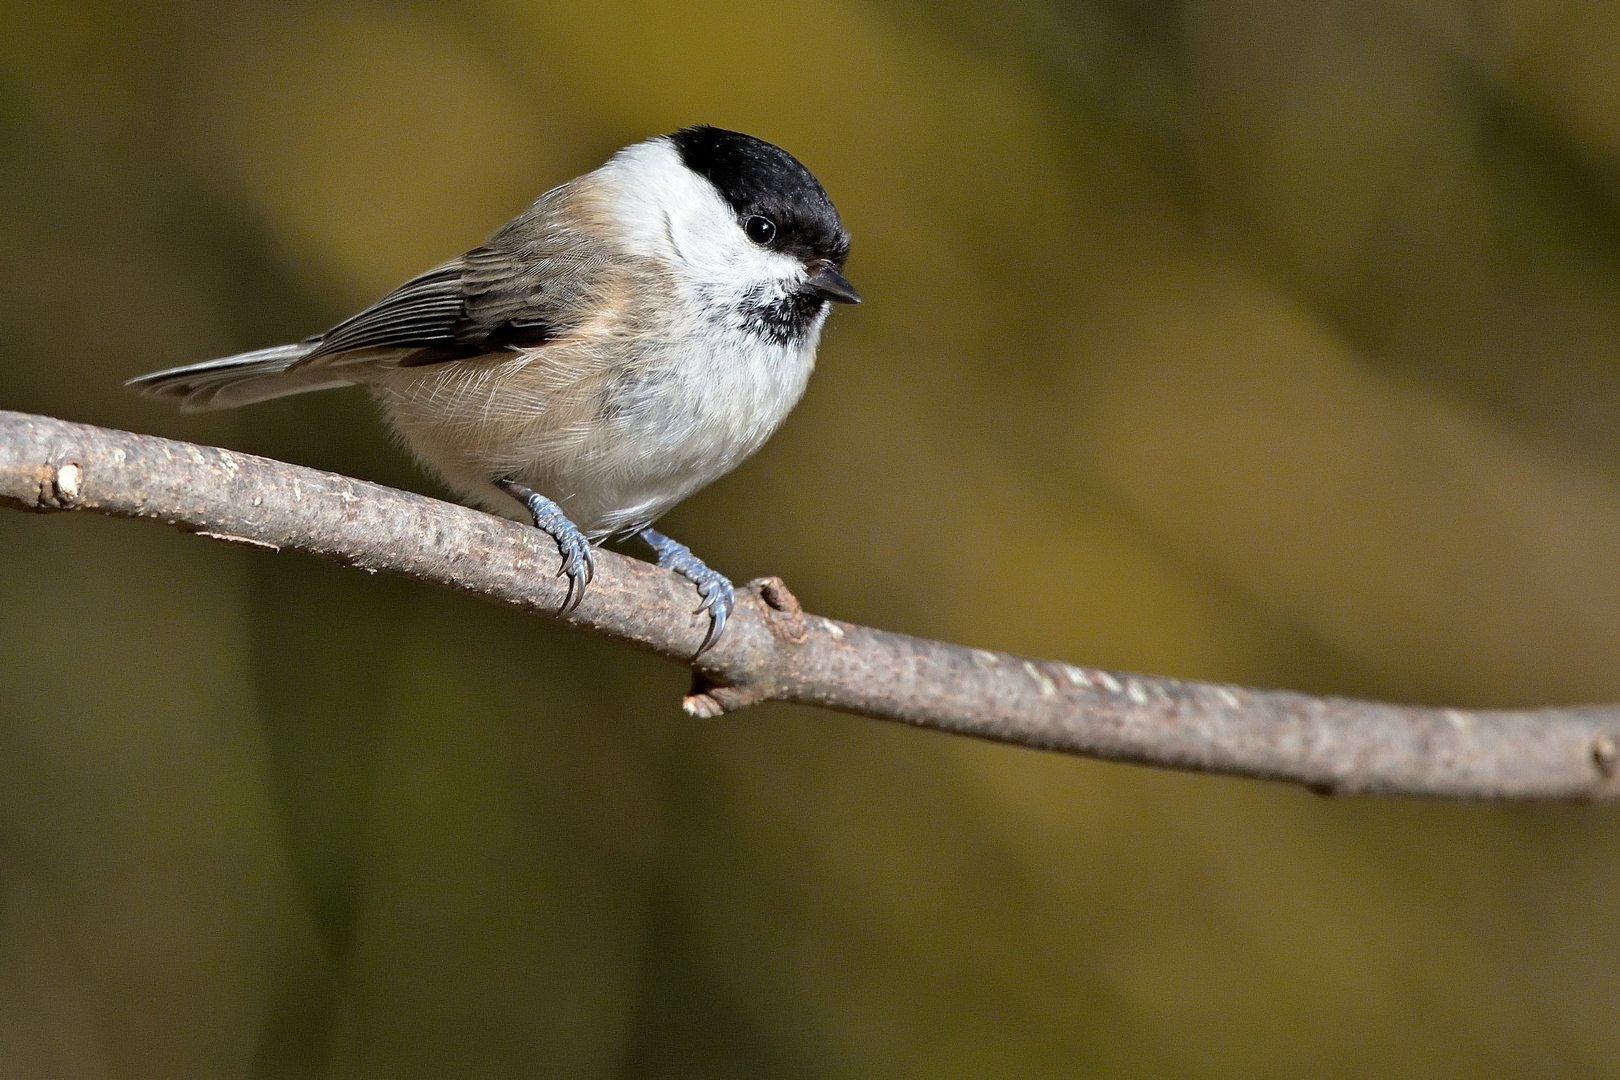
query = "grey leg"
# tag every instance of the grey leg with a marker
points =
(718, 595)
(575, 549)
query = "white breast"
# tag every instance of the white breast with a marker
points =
(701, 405)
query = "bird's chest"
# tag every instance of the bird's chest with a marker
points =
(708, 399)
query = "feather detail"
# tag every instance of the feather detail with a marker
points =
(242, 379)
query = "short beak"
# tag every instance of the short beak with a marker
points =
(834, 286)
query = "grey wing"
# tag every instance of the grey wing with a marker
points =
(530, 284)
(534, 281)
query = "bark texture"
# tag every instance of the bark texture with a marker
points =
(773, 650)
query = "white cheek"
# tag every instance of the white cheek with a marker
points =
(668, 210)
(714, 250)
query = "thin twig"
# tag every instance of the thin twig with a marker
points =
(772, 650)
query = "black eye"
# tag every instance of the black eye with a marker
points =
(761, 230)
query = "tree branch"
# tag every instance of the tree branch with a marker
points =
(772, 650)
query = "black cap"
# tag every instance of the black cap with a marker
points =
(758, 179)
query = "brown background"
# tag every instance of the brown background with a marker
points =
(1272, 342)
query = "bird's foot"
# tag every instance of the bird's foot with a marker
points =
(718, 595)
(571, 543)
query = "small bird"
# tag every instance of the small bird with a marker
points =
(632, 336)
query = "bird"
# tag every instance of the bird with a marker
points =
(630, 337)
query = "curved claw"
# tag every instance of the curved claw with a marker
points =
(577, 564)
(718, 596)
(572, 545)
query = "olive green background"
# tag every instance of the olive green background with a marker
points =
(1274, 341)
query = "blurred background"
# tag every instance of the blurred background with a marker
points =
(1272, 341)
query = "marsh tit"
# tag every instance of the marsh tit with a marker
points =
(632, 336)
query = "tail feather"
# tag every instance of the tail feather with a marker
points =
(239, 380)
